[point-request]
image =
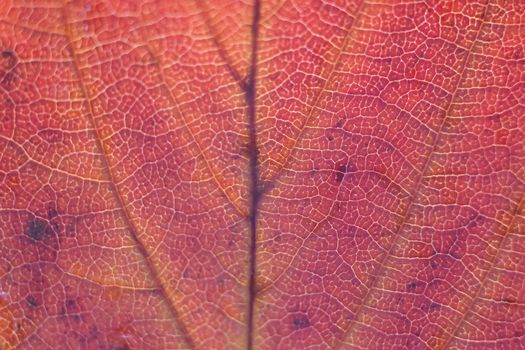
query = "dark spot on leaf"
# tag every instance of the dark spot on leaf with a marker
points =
(412, 286)
(434, 306)
(7, 66)
(71, 309)
(37, 228)
(93, 332)
(344, 169)
(51, 213)
(340, 174)
(9, 59)
(31, 301)
(339, 123)
(301, 322)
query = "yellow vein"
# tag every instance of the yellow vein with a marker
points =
(397, 235)
(127, 218)
(346, 39)
(220, 47)
(486, 277)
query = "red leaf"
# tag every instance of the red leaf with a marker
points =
(266, 175)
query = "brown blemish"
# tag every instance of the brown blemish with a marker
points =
(32, 301)
(342, 170)
(8, 64)
(340, 174)
(300, 322)
(411, 286)
(37, 228)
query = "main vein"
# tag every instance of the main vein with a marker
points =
(250, 95)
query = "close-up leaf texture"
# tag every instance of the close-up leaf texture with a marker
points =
(262, 174)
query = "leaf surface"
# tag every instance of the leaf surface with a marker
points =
(267, 175)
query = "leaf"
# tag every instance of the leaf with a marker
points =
(369, 155)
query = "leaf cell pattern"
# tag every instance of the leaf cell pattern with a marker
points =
(233, 174)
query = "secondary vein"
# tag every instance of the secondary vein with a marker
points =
(129, 223)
